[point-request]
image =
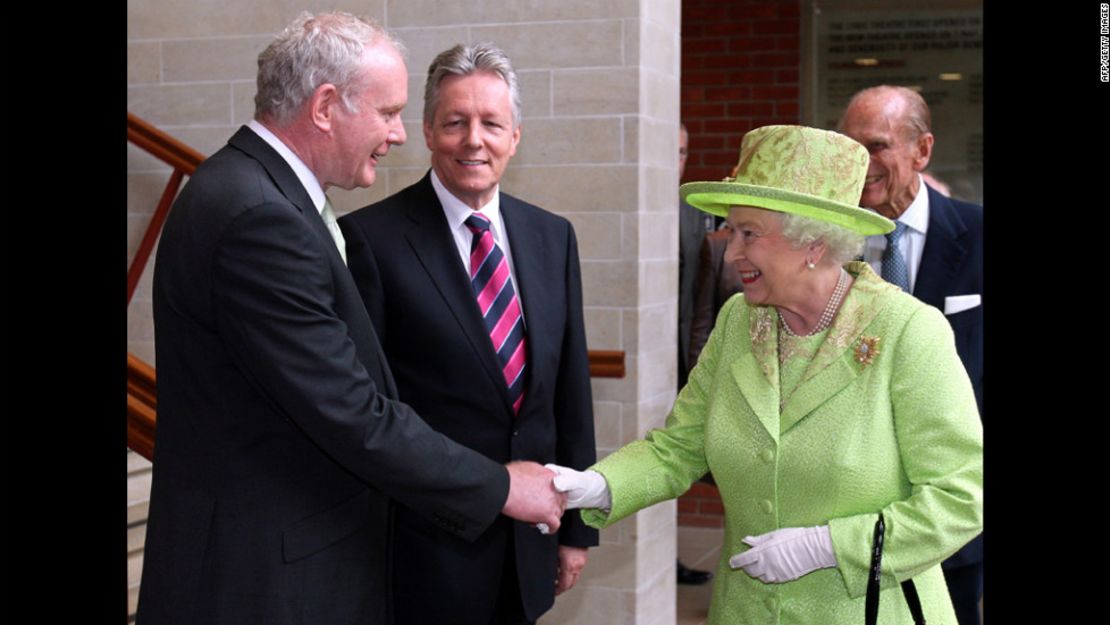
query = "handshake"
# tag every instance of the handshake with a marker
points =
(540, 494)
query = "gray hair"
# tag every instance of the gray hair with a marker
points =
(464, 60)
(915, 112)
(315, 50)
(841, 244)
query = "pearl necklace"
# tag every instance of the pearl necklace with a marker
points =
(826, 315)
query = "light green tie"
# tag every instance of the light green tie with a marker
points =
(328, 215)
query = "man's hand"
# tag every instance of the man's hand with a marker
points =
(532, 495)
(571, 562)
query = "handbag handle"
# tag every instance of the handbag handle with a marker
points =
(871, 601)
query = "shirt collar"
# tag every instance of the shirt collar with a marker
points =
(916, 216)
(304, 174)
(457, 211)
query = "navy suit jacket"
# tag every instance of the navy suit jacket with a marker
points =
(952, 264)
(418, 293)
(280, 440)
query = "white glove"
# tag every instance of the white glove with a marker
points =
(584, 489)
(786, 554)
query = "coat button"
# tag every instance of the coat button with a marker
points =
(772, 604)
(515, 432)
(768, 456)
(767, 506)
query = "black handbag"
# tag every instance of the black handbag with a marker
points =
(871, 602)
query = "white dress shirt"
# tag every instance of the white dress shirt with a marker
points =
(916, 218)
(304, 174)
(457, 212)
(307, 178)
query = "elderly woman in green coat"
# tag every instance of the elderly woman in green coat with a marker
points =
(824, 397)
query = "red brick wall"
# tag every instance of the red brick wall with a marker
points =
(740, 68)
(701, 507)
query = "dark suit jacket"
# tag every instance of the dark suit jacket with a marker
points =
(279, 437)
(408, 269)
(952, 264)
(692, 226)
(716, 282)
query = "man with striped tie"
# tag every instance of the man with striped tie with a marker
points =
(477, 299)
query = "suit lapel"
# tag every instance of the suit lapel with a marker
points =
(813, 392)
(943, 254)
(434, 246)
(283, 177)
(762, 397)
(285, 180)
(280, 171)
(756, 370)
(834, 365)
(531, 263)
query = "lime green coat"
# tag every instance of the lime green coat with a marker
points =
(883, 419)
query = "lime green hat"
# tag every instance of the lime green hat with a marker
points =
(810, 172)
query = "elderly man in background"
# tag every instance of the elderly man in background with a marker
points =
(935, 253)
(280, 440)
(477, 298)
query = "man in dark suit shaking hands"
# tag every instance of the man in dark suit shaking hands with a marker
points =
(477, 298)
(935, 253)
(281, 442)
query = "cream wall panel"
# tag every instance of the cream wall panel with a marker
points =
(171, 19)
(212, 58)
(574, 188)
(605, 91)
(436, 12)
(178, 105)
(564, 140)
(144, 62)
(557, 44)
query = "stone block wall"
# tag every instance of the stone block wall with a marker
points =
(600, 86)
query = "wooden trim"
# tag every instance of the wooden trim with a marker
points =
(140, 427)
(142, 406)
(168, 149)
(141, 381)
(153, 230)
(184, 161)
(606, 364)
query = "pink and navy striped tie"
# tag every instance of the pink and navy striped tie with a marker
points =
(499, 305)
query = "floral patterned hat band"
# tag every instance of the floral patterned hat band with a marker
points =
(810, 172)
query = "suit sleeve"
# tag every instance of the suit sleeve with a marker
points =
(273, 301)
(667, 461)
(575, 446)
(704, 297)
(939, 438)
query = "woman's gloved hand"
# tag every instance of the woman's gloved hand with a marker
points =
(785, 554)
(584, 489)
